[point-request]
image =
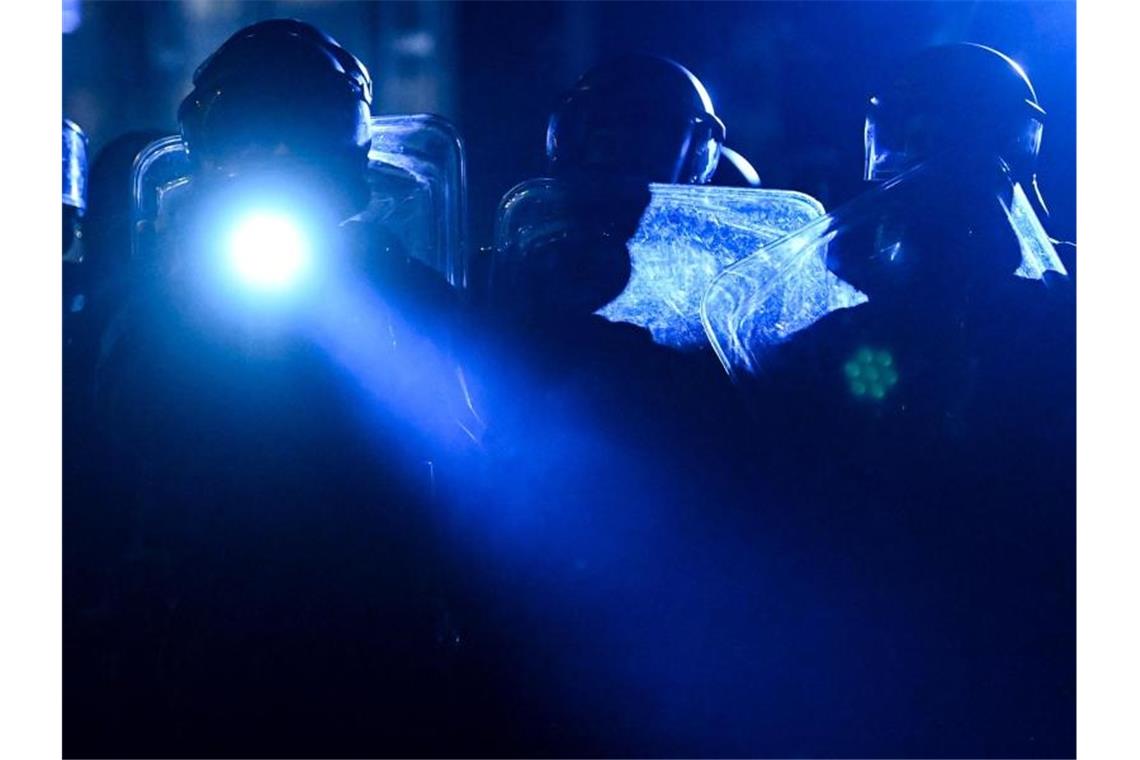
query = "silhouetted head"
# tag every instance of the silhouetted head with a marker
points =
(965, 103)
(950, 136)
(280, 97)
(640, 117)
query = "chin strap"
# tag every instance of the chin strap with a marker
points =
(742, 164)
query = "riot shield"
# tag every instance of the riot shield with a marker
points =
(74, 188)
(785, 287)
(416, 175)
(74, 166)
(420, 193)
(686, 235)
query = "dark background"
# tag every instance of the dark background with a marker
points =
(790, 79)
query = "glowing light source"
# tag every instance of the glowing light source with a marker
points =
(268, 251)
(871, 373)
(72, 15)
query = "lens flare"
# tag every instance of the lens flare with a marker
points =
(268, 251)
(871, 373)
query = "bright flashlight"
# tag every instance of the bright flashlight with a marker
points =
(268, 251)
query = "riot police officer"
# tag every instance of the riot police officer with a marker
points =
(561, 252)
(76, 339)
(98, 274)
(75, 384)
(269, 399)
(947, 246)
(926, 436)
(589, 419)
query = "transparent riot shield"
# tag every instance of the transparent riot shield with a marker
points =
(420, 193)
(160, 178)
(687, 234)
(74, 166)
(785, 287)
(416, 175)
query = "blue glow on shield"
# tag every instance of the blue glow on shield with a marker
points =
(268, 251)
(769, 296)
(1038, 255)
(688, 235)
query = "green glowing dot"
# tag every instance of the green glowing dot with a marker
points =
(871, 373)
